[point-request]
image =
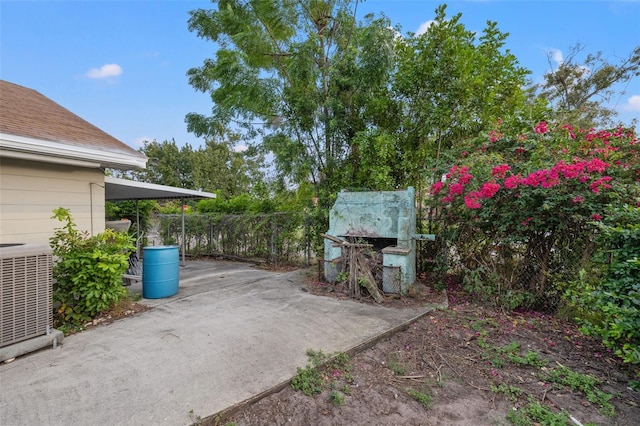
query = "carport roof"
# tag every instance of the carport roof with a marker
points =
(123, 189)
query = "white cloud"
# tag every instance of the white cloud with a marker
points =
(633, 103)
(424, 27)
(396, 34)
(105, 71)
(139, 142)
(240, 148)
(556, 55)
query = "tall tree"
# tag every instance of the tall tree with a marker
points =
(296, 74)
(168, 164)
(219, 168)
(452, 87)
(580, 92)
(447, 86)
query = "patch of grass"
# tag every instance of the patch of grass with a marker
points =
(530, 358)
(340, 366)
(395, 364)
(510, 349)
(512, 352)
(308, 380)
(498, 356)
(584, 383)
(337, 398)
(320, 371)
(217, 421)
(512, 393)
(423, 397)
(494, 359)
(483, 343)
(69, 328)
(534, 413)
(195, 419)
(480, 325)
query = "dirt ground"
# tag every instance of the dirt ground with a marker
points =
(464, 365)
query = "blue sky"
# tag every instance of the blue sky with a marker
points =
(122, 64)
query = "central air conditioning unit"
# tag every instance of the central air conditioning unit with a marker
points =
(25, 292)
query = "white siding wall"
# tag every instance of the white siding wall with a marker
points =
(29, 191)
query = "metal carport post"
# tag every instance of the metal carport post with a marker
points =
(116, 189)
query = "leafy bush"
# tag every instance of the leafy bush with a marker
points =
(88, 270)
(617, 297)
(522, 210)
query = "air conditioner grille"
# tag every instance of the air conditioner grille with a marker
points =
(25, 297)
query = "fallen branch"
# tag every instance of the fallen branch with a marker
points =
(332, 238)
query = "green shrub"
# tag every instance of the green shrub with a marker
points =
(520, 212)
(584, 383)
(88, 270)
(617, 297)
(423, 397)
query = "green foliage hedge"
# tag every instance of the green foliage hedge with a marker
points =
(520, 212)
(88, 270)
(616, 298)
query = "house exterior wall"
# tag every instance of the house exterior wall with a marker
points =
(29, 191)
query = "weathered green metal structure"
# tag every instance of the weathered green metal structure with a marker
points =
(387, 220)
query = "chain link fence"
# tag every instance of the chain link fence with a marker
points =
(276, 238)
(508, 271)
(528, 271)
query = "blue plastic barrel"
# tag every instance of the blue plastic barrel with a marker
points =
(160, 271)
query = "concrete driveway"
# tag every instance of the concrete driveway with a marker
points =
(231, 332)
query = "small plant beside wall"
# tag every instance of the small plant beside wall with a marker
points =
(87, 272)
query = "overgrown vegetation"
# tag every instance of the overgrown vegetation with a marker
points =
(324, 371)
(424, 397)
(587, 384)
(533, 413)
(531, 186)
(613, 291)
(278, 238)
(87, 271)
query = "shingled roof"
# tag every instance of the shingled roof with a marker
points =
(27, 116)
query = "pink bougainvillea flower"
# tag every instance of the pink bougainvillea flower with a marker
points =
(471, 200)
(449, 198)
(578, 199)
(599, 184)
(542, 128)
(570, 171)
(570, 130)
(489, 189)
(494, 136)
(512, 181)
(596, 165)
(596, 216)
(465, 178)
(500, 171)
(456, 188)
(436, 188)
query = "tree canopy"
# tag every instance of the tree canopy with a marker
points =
(215, 167)
(348, 103)
(580, 92)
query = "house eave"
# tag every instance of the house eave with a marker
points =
(20, 147)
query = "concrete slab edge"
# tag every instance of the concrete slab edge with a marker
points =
(213, 419)
(52, 339)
